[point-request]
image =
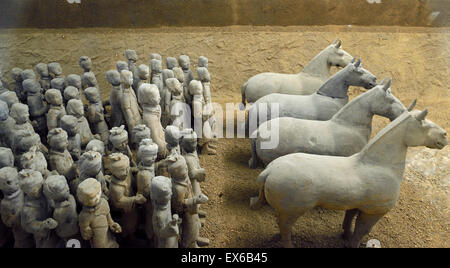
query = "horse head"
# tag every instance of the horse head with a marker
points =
(424, 132)
(337, 56)
(358, 76)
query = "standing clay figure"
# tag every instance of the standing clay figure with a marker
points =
(96, 146)
(85, 63)
(177, 106)
(88, 80)
(149, 98)
(147, 154)
(95, 113)
(140, 132)
(122, 195)
(119, 141)
(91, 166)
(56, 110)
(37, 106)
(155, 56)
(156, 76)
(11, 207)
(71, 93)
(36, 216)
(6, 157)
(28, 74)
(95, 219)
(35, 160)
(65, 210)
(76, 108)
(59, 84)
(165, 224)
(69, 124)
(171, 63)
(3, 84)
(209, 112)
(122, 65)
(60, 158)
(44, 76)
(132, 58)
(7, 124)
(16, 75)
(23, 142)
(203, 62)
(165, 98)
(172, 136)
(366, 184)
(9, 97)
(73, 81)
(129, 104)
(116, 119)
(55, 70)
(143, 75)
(184, 203)
(179, 74)
(19, 112)
(185, 64)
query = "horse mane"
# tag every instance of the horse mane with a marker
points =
(329, 86)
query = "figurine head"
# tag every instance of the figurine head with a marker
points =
(31, 86)
(54, 69)
(184, 62)
(10, 97)
(42, 69)
(122, 65)
(126, 78)
(113, 77)
(189, 140)
(141, 132)
(203, 62)
(75, 108)
(58, 83)
(131, 55)
(33, 159)
(172, 136)
(92, 94)
(4, 110)
(24, 140)
(148, 94)
(6, 157)
(96, 146)
(119, 165)
(58, 139)
(71, 93)
(119, 138)
(174, 86)
(69, 124)
(171, 63)
(203, 74)
(155, 56)
(177, 167)
(89, 192)
(20, 113)
(195, 87)
(143, 72)
(74, 80)
(91, 163)
(28, 74)
(85, 63)
(9, 180)
(178, 73)
(31, 182)
(53, 97)
(161, 190)
(156, 66)
(147, 152)
(16, 74)
(166, 74)
(89, 79)
(56, 188)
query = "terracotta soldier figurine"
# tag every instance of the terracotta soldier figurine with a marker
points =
(140, 132)
(35, 160)
(19, 112)
(122, 195)
(6, 160)
(44, 76)
(172, 136)
(60, 158)
(76, 108)
(11, 207)
(116, 119)
(28, 74)
(156, 76)
(119, 141)
(95, 113)
(59, 84)
(16, 75)
(7, 124)
(55, 70)
(143, 75)
(6, 157)
(91, 166)
(71, 93)
(208, 112)
(69, 124)
(177, 107)
(155, 56)
(165, 224)
(203, 62)
(37, 106)
(23, 141)
(122, 65)
(86, 64)
(65, 210)
(36, 216)
(95, 219)
(3, 84)
(88, 80)
(179, 75)
(149, 98)
(185, 64)
(171, 63)
(132, 58)
(184, 203)
(146, 155)
(9, 97)
(56, 110)
(129, 104)
(165, 98)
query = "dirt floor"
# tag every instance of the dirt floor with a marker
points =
(418, 59)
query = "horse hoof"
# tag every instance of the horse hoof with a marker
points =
(252, 164)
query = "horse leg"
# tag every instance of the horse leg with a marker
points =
(364, 224)
(285, 222)
(253, 161)
(258, 201)
(347, 224)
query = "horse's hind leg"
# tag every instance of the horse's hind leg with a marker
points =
(364, 224)
(347, 224)
(253, 161)
(285, 222)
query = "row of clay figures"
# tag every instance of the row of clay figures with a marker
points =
(68, 172)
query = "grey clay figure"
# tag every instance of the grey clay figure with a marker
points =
(91, 166)
(6, 157)
(37, 106)
(122, 65)
(185, 64)
(69, 124)
(156, 76)
(171, 63)
(76, 108)
(165, 98)
(177, 106)
(55, 70)
(95, 113)
(132, 58)
(119, 141)
(6, 125)
(16, 75)
(143, 76)
(116, 119)
(44, 76)
(129, 104)
(140, 133)
(56, 110)
(59, 84)
(35, 160)
(203, 62)
(210, 131)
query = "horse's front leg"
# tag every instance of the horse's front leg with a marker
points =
(364, 224)
(347, 223)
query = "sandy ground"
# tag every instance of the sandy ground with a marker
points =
(418, 59)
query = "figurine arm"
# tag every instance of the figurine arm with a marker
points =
(126, 203)
(130, 155)
(170, 228)
(191, 203)
(195, 173)
(167, 98)
(85, 228)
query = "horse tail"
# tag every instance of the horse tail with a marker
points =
(253, 162)
(258, 201)
(243, 89)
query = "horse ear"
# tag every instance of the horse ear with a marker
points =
(412, 105)
(339, 43)
(388, 85)
(422, 115)
(358, 63)
(382, 81)
(354, 58)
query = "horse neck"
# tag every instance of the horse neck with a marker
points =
(336, 86)
(356, 113)
(319, 65)
(388, 148)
